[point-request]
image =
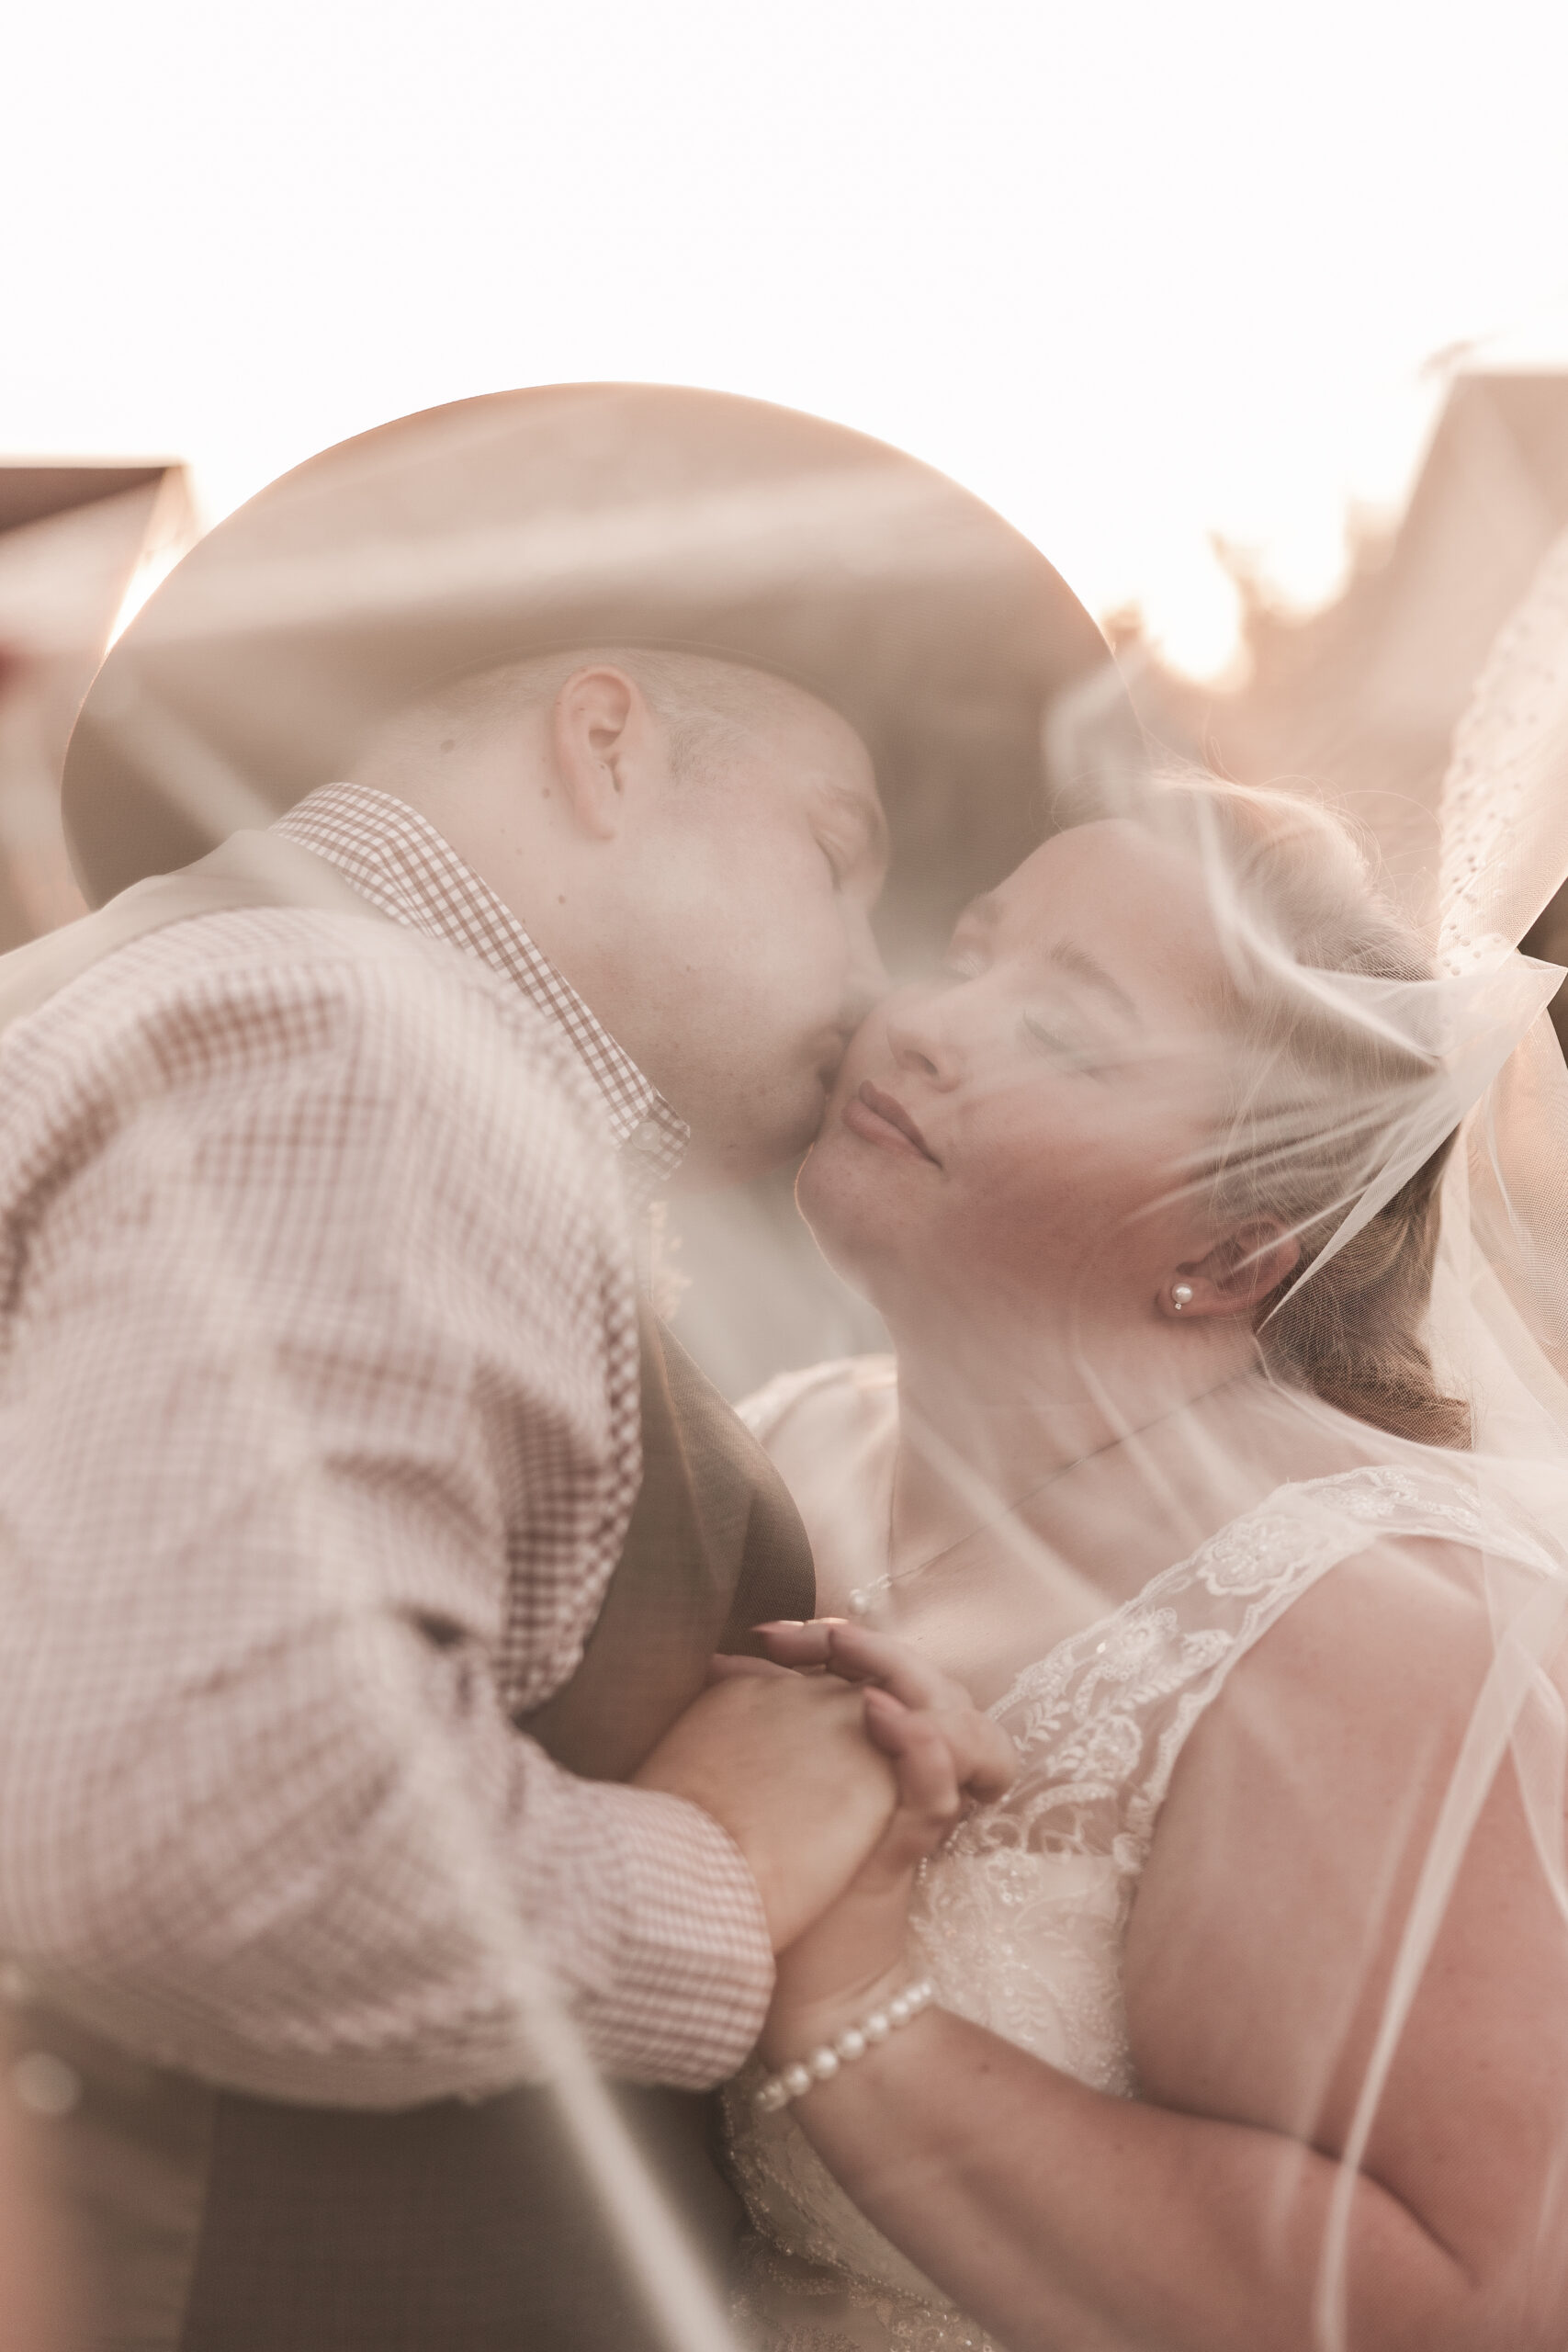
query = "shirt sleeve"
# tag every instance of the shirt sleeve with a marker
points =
(314, 1463)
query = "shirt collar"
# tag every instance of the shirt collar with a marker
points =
(396, 860)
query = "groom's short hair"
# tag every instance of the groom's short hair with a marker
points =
(707, 704)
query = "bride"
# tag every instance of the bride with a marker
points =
(1243, 2019)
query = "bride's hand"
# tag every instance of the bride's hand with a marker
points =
(947, 1755)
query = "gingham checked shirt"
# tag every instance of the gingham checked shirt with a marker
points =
(318, 1437)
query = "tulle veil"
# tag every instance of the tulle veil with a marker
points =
(1500, 1294)
(1482, 1056)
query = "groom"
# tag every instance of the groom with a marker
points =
(363, 1536)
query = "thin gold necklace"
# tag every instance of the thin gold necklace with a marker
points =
(863, 1600)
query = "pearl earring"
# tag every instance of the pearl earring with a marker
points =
(1180, 1296)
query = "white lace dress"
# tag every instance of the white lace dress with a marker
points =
(1020, 1922)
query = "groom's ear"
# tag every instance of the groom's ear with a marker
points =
(1240, 1272)
(603, 735)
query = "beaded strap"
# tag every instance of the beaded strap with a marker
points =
(823, 2063)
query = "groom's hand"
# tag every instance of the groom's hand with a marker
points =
(783, 1762)
(948, 1756)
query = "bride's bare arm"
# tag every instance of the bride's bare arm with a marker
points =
(1261, 1946)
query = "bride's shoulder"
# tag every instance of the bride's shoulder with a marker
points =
(1356, 1603)
(850, 1391)
(1348, 1715)
(1394, 1641)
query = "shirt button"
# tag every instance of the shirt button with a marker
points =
(644, 1137)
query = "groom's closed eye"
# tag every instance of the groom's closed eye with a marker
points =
(852, 835)
(968, 951)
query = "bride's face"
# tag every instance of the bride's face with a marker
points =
(1013, 1133)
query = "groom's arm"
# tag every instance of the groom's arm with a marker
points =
(313, 1466)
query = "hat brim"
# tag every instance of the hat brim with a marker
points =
(590, 514)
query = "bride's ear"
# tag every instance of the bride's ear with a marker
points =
(1236, 1274)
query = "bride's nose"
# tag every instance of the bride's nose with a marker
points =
(920, 1037)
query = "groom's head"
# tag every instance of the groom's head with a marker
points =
(695, 844)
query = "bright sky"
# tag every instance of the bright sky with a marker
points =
(1137, 272)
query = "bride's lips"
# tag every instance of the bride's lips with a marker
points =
(877, 1118)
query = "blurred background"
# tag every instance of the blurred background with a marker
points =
(1255, 321)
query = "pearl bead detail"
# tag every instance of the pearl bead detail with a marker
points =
(822, 2064)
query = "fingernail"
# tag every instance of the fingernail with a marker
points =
(780, 1624)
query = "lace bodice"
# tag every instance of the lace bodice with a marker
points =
(1022, 1919)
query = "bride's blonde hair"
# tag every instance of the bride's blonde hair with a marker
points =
(1314, 1095)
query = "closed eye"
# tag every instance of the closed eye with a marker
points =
(1062, 1047)
(968, 951)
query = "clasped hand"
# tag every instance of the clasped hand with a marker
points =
(837, 1764)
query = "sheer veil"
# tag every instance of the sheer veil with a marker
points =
(1350, 1080)
(1468, 1045)
(1500, 1297)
